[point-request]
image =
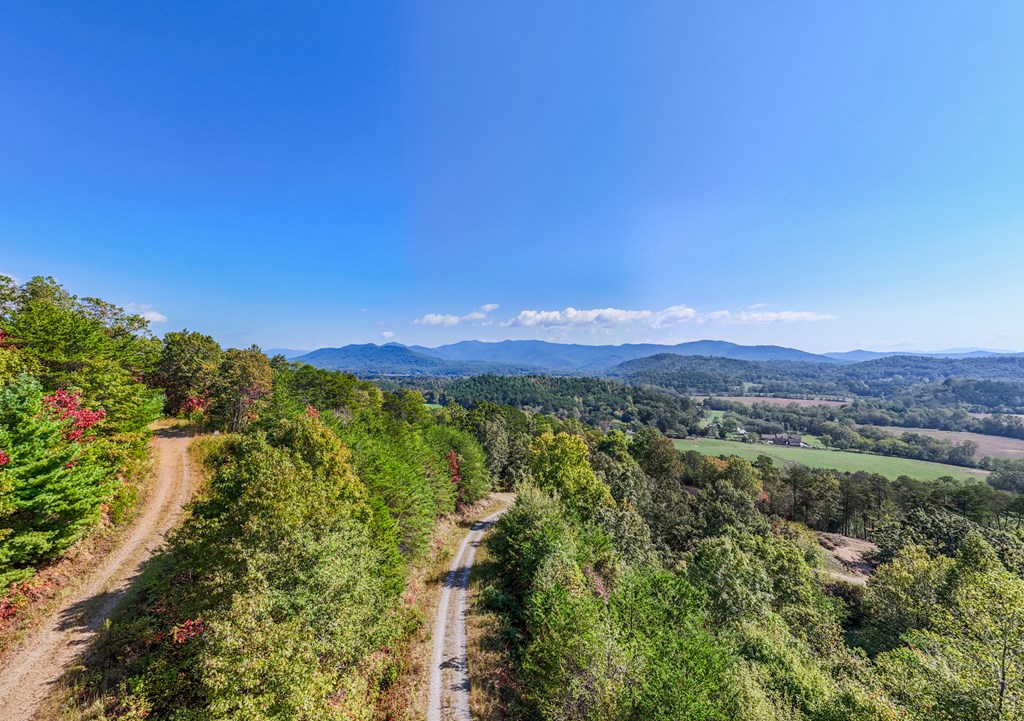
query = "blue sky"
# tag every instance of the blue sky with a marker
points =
(823, 175)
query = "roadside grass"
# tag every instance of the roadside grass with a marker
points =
(406, 699)
(841, 461)
(489, 656)
(67, 701)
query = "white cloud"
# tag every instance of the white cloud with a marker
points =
(146, 311)
(437, 319)
(764, 316)
(714, 315)
(609, 317)
(388, 334)
(449, 319)
(576, 318)
(673, 314)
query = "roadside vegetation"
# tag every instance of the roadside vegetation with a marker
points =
(284, 594)
(74, 417)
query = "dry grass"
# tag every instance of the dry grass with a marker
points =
(406, 699)
(490, 662)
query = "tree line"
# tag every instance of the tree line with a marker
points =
(993, 385)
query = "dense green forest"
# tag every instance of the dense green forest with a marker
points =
(983, 384)
(594, 401)
(628, 597)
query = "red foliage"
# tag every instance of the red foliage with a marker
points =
(597, 583)
(193, 404)
(66, 405)
(312, 412)
(190, 629)
(453, 465)
(4, 459)
(4, 335)
(20, 595)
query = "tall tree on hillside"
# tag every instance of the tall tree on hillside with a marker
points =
(187, 370)
(244, 379)
(656, 455)
(85, 344)
(559, 463)
(970, 664)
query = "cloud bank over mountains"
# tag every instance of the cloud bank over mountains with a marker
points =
(599, 318)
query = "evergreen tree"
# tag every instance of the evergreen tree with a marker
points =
(50, 490)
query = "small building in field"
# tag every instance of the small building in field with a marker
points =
(782, 439)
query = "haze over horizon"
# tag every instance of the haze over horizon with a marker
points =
(821, 177)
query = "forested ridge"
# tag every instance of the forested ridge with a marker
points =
(633, 581)
(591, 400)
(985, 384)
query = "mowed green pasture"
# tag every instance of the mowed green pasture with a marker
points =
(841, 461)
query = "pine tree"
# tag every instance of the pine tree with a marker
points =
(50, 492)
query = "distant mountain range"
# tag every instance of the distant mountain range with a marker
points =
(514, 357)
(858, 356)
(394, 359)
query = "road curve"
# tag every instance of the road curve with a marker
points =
(449, 669)
(29, 670)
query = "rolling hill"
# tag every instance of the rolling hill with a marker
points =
(577, 358)
(393, 359)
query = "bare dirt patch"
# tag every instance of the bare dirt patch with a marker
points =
(31, 667)
(847, 558)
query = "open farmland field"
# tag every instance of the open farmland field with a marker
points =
(750, 400)
(995, 446)
(837, 460)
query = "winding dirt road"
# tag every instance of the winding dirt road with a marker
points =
(29, 670)
(449, 669)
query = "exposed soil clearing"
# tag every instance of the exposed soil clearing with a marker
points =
(850, 555)
(29, 670)
(449, 669)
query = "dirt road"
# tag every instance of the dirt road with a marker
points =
(449, 669)
(28, 671)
